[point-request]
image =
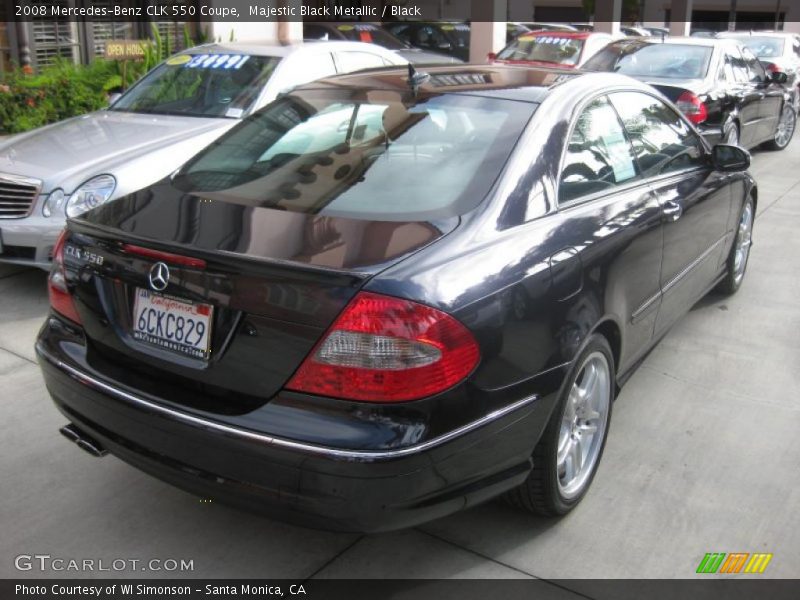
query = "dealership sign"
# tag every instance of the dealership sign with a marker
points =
(125, 49)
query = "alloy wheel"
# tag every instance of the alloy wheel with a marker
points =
(583, 425)
(744, 239)
(785, 131)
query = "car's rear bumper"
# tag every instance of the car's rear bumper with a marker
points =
(309, 484)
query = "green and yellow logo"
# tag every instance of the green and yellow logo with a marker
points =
(735, 562)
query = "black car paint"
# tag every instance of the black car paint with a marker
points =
(754, 107)
(532, 280)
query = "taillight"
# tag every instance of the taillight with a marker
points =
(384, 349)
(691, 106)
(772, 68)
(60, 299)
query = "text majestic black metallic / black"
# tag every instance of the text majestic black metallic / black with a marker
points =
(379, 302)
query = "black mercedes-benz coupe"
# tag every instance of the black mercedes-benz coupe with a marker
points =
(390, 296)
(719, 84)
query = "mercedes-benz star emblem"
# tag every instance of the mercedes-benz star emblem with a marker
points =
(159, 276)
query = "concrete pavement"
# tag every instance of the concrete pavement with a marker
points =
(702, 457)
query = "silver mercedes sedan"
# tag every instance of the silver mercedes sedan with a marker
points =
(178, 108)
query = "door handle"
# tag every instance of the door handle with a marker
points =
(672, 211)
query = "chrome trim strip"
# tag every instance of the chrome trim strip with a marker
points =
(325, 451)
(674, 281)
(639, 312)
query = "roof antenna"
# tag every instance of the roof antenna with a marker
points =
(416, 79)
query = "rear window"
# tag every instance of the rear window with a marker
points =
(764, 47)
(544, 48)
(362, 154)
(669, 61)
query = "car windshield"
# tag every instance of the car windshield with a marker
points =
(362, 154)
(670, 61)
(764, 47)
(544, 48)
(369, 33)
(200, 85)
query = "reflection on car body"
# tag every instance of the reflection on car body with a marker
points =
(64, 169)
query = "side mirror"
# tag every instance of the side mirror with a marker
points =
(491, 56)
(730, 158)
(778, 77)
(112, 98)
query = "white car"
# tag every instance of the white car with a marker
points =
(178, 108)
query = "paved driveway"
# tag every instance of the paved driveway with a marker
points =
(702, 456)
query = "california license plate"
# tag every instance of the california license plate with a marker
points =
(171, 323)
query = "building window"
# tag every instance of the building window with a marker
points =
(5, 42)
(53, 40)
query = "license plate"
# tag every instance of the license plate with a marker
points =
(171, 323)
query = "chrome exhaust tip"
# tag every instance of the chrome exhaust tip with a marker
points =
(84, 441)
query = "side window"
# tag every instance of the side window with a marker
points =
(355, 61)
(662, 140)
(756, 71)
(598, 156)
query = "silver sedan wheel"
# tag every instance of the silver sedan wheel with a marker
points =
(744, 239)
(583, 425)
(786, 126)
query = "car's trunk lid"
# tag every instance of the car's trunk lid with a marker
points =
(275, 281)
(673, 88)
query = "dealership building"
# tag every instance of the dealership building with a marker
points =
(41, 41)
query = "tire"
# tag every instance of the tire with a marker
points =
(736, 265)
(785, 129)
(731, 134)
(548, 490)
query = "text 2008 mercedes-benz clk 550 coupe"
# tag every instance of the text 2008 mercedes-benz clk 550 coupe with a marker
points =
(389, 296)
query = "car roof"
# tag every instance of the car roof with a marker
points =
(680, 40)
(577, 35)
(747, 34)
(280, 51)
(519, 83)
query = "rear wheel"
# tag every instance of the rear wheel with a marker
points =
(740, 252)
(566, 458)
(785, 130)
